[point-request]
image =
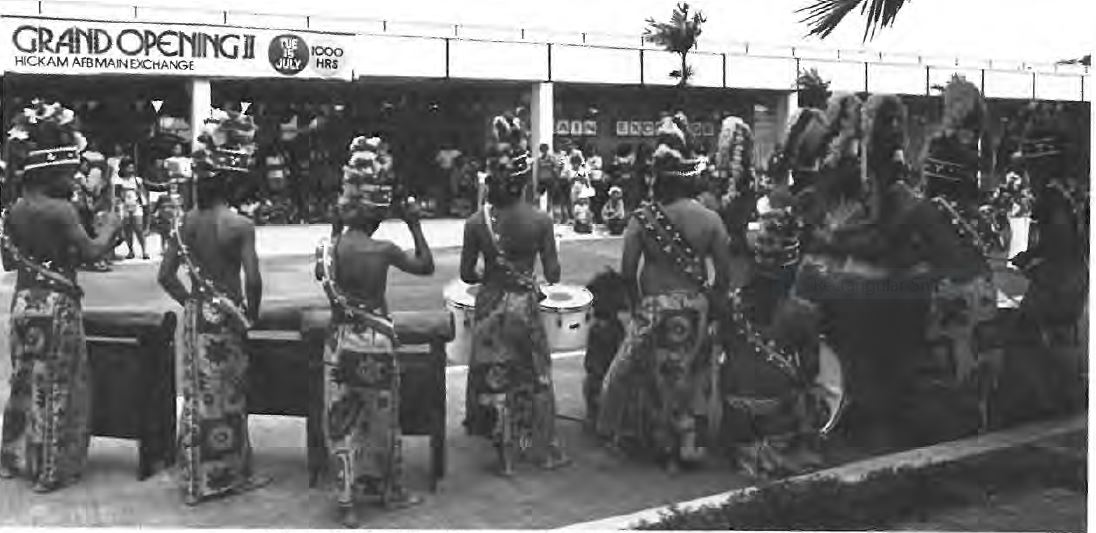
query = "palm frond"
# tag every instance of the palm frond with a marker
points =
(823, 16)
(1086, 61)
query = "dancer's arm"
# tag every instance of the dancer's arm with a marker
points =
(549, 252)
(169, 270)
(469, 254)
(88, 248)
(253, 279)
(422, 264)
(629, 262)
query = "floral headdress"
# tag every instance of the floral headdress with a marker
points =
(46, 136)
(367, 176)
(228, 144)
(735, 150)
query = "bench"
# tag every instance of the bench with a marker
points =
(285, 376)
(131, 354)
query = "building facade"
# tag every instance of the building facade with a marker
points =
(135, 72)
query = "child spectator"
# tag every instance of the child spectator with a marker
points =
(613, 213)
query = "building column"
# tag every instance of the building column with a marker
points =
(786, 106)
(201, 101)
(542, 125)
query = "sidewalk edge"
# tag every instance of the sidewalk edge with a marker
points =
(948, 452)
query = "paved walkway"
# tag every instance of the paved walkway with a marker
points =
(471, 497)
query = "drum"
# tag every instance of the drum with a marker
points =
(460, 299)
(565, 313)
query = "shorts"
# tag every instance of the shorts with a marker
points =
(134, 212)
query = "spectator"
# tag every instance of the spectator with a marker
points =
(574, 179)
(613, 213)
(598, 181)
(446, 179)
(624, 174)
(547, 176)
(133, 202)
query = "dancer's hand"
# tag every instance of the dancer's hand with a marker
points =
(410, 211)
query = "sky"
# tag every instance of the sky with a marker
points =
(1046, 30)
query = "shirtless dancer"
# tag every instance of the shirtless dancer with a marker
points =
(46, 423)
(361, 385)
(510, 398)
(666, 340)
(215, 244)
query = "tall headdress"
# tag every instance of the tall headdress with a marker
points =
(508, 165)
(672, 156)
(734, 152)
(368, 180)
(951, 163)
(1047, 145)
(884, 129)
(45, 136)
(227, 146)
(843, 116)
(802, 143)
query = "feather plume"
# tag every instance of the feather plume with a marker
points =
(964, 107)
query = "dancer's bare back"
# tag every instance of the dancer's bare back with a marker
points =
(701, 228)
(221, 243)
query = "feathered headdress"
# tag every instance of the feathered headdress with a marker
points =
(227, 145)
(884, 129)
(508, 130)
(511, 168)
(1052, 144)
(367, 176)
(671, 158)
(45, 136)
(950, 165)
(845, 127)
(964, 106)
(802, 142)
(734, 150)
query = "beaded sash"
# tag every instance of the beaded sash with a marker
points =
(504, 265)
(672, 243)
(206, 287)
(352, 307)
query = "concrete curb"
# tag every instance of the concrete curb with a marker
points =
(948, 452)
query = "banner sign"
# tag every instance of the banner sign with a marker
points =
(635, 128)
(47, 46)
(576, 128)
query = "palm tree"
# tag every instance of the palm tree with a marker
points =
(679, 36)
(823, 16)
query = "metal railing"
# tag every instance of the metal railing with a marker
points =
(105, 10)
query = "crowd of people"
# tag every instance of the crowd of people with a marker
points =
(855, 248)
